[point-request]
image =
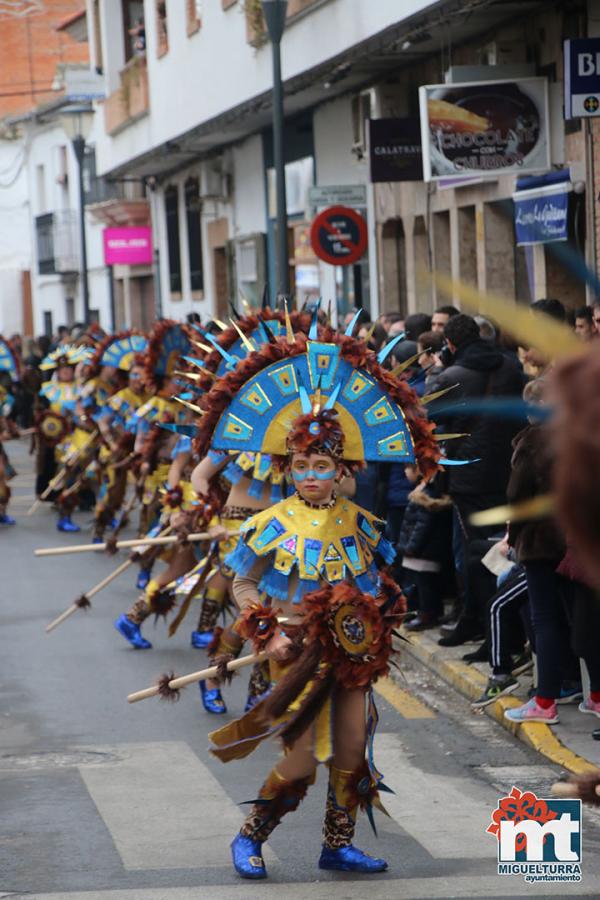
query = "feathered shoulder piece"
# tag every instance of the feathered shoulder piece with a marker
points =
(168, 343)
(9, 361)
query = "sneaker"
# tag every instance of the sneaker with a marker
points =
(531, 712)
(497, 686)
(570, 694)
(588, 706)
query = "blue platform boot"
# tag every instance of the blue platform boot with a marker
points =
(129, 625)
(65, 524)
(143, 579)
(276, 797)
(212, 701)
(201, 639)
(338, 852)
(7, 520)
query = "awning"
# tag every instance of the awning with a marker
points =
(542, 207)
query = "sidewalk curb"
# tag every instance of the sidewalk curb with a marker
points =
(470, 683)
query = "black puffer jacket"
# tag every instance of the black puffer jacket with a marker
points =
(479, 369)
(425, 532)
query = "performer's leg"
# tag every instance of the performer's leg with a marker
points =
(228, 643)
(285, 787)
(66, 504)
(347, 774)
(213, 601)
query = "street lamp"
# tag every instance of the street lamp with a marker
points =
(77, 125)
(274, 12)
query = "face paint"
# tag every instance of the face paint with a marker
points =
(318, 476)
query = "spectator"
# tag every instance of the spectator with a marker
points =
(487, 331)
(389, 318)
(416, 324)
(596, 316)
(430, 345)
(424, 539)
(377, 335)
(534, 362)
(397, 325)
(441, 316)
(476, 370)
(62, 337)
(584, 323)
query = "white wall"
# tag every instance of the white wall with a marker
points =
(249, 187)
(215, 69)
(49, 291)
(15, 248)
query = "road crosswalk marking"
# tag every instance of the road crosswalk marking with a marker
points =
(163, 807)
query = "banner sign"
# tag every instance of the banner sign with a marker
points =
(488, 128)
(395, 150)
(541, 214)
(337, 195)
(339, 236)
(582, 78)
(128, 246)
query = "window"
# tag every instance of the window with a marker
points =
(194, 15)
(194, 233)
(40, 186)
(172, 217)
(70, 311)
(44, 231)
(134, 28)
(162, 36)
(48, 330)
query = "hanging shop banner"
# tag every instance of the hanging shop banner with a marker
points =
(582, 78)
(128, 246)
(338, 236)
(488, 128)
(541, 212)
(395, 150)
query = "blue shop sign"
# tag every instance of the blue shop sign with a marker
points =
(582, 77)
(541, 213)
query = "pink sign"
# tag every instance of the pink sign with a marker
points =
(128, 246)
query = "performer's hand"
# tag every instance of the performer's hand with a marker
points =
(218, 533)
(144, 468)
(279, 647)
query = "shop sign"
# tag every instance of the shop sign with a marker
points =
(395, 151)
(128, 246)
(339, 236)
(541, 214)
(337, 195)
(487, 128)
(582, 78)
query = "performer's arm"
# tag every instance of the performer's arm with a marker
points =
(204, 472)
(245, 587)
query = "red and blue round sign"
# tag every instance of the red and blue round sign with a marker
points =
(338, 236)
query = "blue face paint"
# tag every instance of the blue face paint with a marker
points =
(318, 476)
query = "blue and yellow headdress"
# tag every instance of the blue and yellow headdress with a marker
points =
(121, 353)
(8, 361)
(69, 355)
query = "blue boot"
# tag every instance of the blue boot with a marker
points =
(253, 699)
(143, 579)
(212, 701)
(131, 632)
(97, 539)
(247, 857)
(65, 524)
(350, 859)
(202, 639)
(7, 520)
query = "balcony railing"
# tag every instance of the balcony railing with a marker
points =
(131, 100)
(57, 242)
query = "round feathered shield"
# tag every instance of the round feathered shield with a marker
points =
(53, 427)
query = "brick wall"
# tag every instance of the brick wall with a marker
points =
(30, 50)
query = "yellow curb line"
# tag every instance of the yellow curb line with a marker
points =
(470, 683)
(403, 702)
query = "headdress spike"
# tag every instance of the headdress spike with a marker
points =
(304, 400)
(245, 340)
(333, 396)
(313, 334)
(385, 351)
(265, 297)
(289, 331)
(192, 406)
(352, 324)
(234, 310)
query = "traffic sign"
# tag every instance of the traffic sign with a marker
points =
(337, 195)
(582, 78)
(339, 236)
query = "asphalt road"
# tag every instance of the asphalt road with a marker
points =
(106, 801)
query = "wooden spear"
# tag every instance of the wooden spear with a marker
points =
(58, 479)
(83, 602)
(124, 545)
(167, 684)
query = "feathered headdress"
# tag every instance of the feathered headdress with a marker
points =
(9, 362)
(69, 355)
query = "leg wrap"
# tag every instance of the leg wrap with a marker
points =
(341, 808)
(139, 612)
(259, 680)
(276, 797)
(212, 604)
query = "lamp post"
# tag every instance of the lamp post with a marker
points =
(77, 124)
(274, 12)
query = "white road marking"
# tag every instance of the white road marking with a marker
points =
(433, 808)
(163, 807)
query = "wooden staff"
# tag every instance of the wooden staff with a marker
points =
(58, 479)
(165, 685)
(123, 545)
(83, 602)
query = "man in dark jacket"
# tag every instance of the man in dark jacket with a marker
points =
(475, 369)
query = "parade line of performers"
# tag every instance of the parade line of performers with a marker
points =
(251, 435)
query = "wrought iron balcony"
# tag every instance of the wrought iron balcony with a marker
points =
(57, 242)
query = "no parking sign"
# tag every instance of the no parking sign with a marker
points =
(339, 236)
